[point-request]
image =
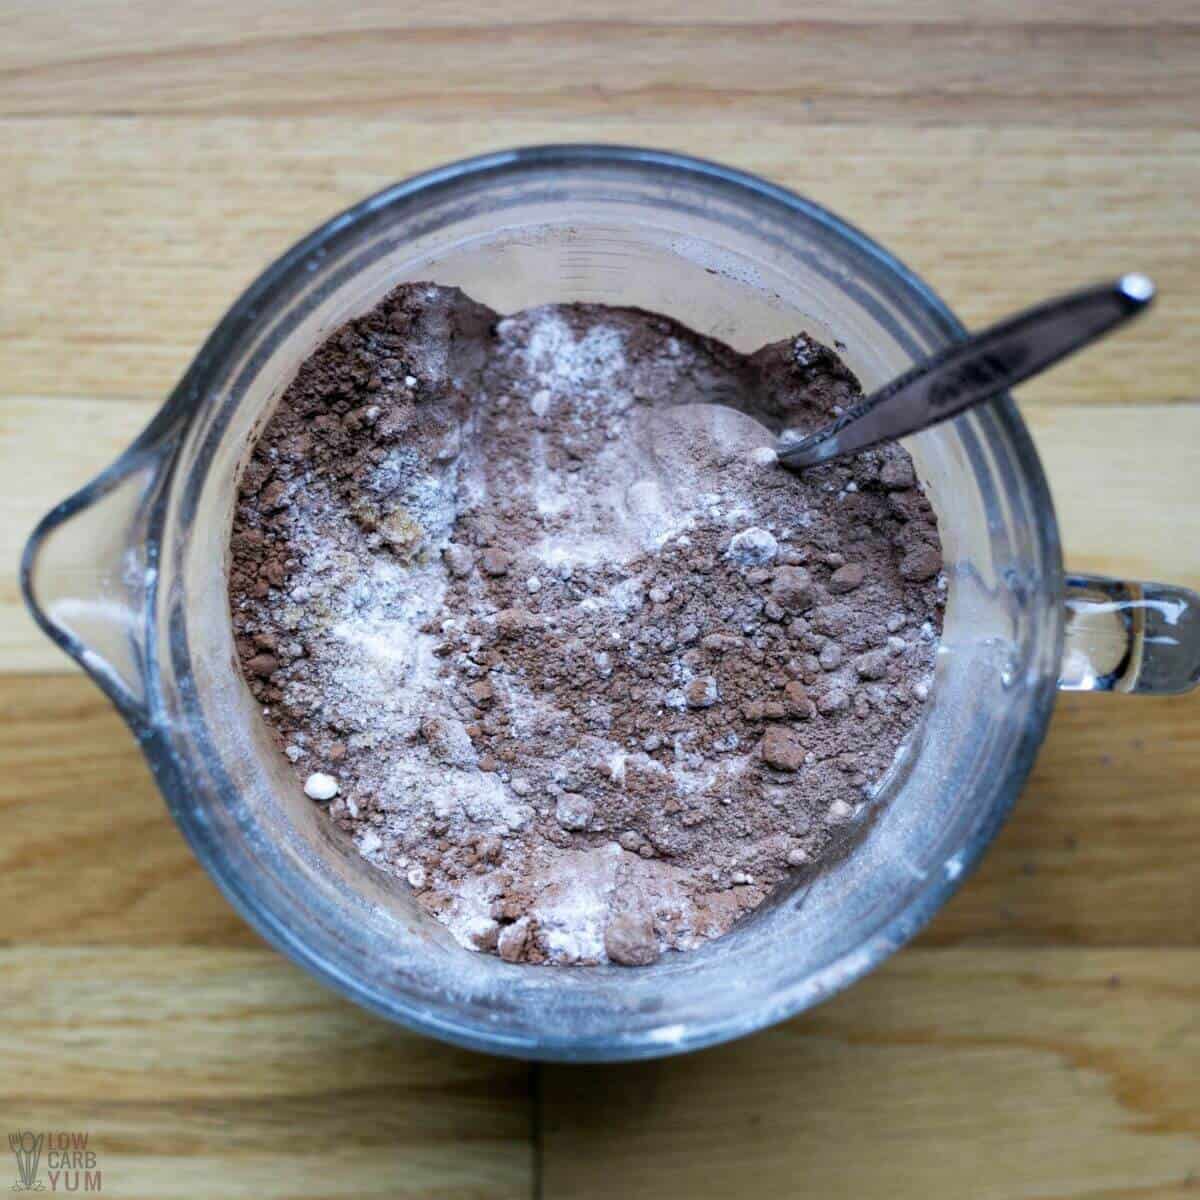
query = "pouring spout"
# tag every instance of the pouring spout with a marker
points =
(89, 571)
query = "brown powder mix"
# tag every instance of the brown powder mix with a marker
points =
(589, 670)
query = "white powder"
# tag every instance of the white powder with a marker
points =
(572, 910)
(469, 917)
(529, 712)
(753, 547)
(424, 503)
(470, 801)
(383, 665)
(616, 766)
(559, 364)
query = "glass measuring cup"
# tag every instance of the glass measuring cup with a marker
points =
(128, 576)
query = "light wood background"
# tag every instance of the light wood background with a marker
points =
(1043, 1037)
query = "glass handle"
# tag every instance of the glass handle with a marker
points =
(1124, 636)
(88, 575)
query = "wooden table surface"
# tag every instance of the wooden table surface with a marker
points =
(1042, 1038)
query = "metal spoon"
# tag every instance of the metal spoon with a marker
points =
(972, 371)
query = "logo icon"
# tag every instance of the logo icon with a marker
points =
(27, 1147)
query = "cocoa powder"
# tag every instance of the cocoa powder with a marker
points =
(591, 672)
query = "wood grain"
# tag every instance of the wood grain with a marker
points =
(1126, 487)
(126, 240)
(205, 1072)
(48, 450)
(808, 64)
(989, 1074)
(1042, 1041)
(89, 854)
(1100, 850)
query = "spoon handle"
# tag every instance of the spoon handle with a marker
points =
(974, 370)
